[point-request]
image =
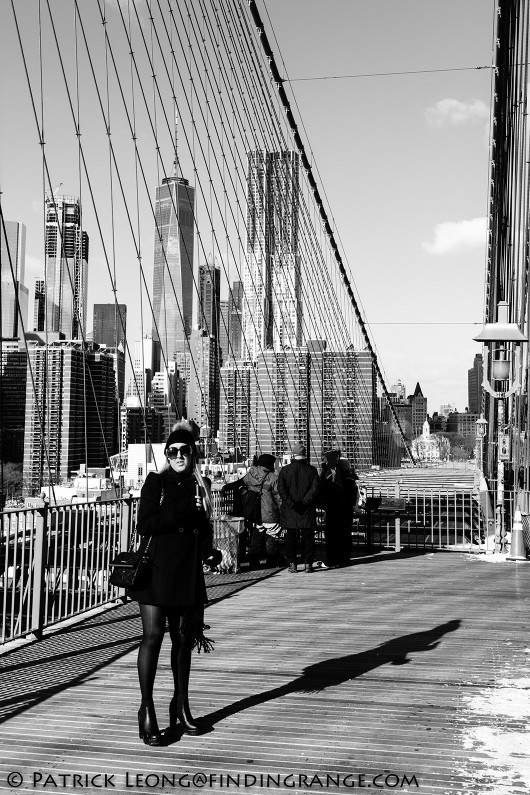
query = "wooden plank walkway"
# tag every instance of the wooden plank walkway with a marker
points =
(406, 673)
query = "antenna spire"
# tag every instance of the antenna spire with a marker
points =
(176, 160)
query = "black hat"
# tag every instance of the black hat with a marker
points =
(182, 434)
(266, 460)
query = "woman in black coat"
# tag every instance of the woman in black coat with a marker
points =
(174, 511)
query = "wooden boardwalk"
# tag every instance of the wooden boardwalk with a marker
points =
(406, 673)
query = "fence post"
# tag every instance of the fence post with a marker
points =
(125, 525)
(397, 522)
(39, 570)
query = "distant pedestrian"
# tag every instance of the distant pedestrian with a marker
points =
(298, 485)
(339, 496)
(262, 478)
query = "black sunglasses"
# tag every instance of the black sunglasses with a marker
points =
(183, 450)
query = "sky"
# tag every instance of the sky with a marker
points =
(402, 159)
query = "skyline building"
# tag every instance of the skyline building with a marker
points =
(224, 330)
(399, 390)
(143, 364)
(209, 309)
(65, 269)
(272, 307)
(342, 403)
(141, 424)
(39, 305)
(235, 299)
(279, 401)
(419, 411)
(109, 325)
(202, 404)
(235, 407)
(13, 374)
(70, 412)
(475, 376)
(15, 295)
(173, 264)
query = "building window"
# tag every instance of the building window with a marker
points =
(140, 471)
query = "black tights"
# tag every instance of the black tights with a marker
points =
(180, 630)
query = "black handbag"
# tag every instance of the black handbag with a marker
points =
(132, 569)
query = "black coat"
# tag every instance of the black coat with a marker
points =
(298, 486)
(338, 496)
(181, 539)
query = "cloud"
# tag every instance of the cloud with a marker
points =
(452, 113)
(451, 236)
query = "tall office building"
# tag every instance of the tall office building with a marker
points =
(139, 385)
(173, 265)
(419, 411)
(399, 390)
(14, 304)
(325, 399)
(224, 330)
(66, 268)
(203, 384)
(343, 403)
(475, 376)
(279, 392)
(39, 307)
(236, 320)
(272, 309)
(209, 298)
(71, 411)
(235, 408)
(110, 325)
(13, 374)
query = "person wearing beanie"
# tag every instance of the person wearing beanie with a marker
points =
(174, 513)
(298, 485)
(264, 542)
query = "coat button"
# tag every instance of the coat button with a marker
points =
(181, 529)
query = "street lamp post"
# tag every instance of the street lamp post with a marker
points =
(498, 339)
(480, 433)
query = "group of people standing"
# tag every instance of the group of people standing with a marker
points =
(289, 499)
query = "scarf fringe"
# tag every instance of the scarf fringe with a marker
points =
(202, 643)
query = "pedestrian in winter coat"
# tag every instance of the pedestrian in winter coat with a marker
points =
(174, 511)
(338, 492)
(262, 478)
(298, 485)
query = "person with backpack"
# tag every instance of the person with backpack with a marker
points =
(261, 505)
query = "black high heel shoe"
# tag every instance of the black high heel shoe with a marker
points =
(179, 710)
(147, 724)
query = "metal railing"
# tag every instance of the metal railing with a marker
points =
(444, 519)
(54, 562)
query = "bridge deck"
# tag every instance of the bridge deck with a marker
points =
(415, 665)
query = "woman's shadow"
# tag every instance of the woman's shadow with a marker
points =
(338, 670)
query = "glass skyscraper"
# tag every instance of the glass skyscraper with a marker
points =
(14, 292)
(272, 308)
(66, 270)
(173, 267)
